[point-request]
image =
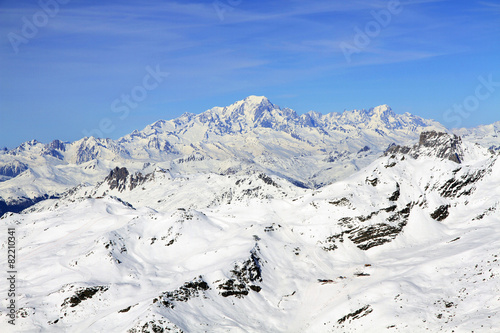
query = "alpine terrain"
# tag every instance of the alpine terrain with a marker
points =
(252, 218)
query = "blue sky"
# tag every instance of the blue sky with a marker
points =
(68, 77)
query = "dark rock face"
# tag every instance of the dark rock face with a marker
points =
(372, 182)
(83, 294)
(154, 143)
(366, 237)
(156, 326)
(447, 146)
(395, 195)
(397, 149)
(138, 179)
(117, 178)
(441, 213)
(169, 148)
(268, 180)
(364, 311)
(244, 276)
(184, 293)
(340, 202)
(53, 153)
(456, 187)
(440, 145)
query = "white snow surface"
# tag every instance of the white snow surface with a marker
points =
(405, 244)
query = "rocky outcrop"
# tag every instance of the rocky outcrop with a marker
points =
(444, 145)
(191, 289)
(54, 149)
(121, 179)
(244, 277)
(117, 178)
(436, 144)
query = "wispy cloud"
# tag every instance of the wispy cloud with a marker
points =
(92, 51)
(490, 5)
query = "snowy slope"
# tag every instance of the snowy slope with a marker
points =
(250, 135)
(486, 135)
(409, 243)
(164, 191)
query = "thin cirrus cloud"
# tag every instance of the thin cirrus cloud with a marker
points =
(157, 27)
(490, 5)
(90, 53)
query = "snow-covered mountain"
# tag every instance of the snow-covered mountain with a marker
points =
(252, 135)
(409, 243)
(486, 135)
(252, 218)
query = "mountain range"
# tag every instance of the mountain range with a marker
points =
(251, 218)
(310, 150)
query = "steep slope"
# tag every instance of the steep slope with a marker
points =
(311, 150)
(409, 243)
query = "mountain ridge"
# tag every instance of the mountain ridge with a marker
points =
(311, 149)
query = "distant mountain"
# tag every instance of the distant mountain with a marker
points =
(309, 150)
(486, 135)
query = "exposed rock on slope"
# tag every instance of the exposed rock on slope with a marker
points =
(440, 145)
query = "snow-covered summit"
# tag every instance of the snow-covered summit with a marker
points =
(258, 112)
(311, 149)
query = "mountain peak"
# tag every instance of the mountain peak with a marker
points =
(252, 99)
(253, 103)
(382, 109)
(249, 110)
(431, 143)
(249, 103)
